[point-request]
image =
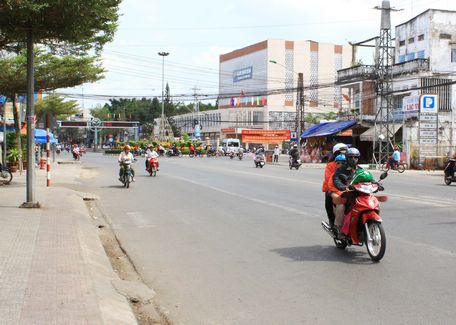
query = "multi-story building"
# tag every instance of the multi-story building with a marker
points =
(425, 63)
(258, 86)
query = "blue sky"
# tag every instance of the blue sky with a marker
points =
(196, 32)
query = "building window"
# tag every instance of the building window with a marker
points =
(401, 43)
(453, 55)
(420, 54)
(421, 37)
(401, 58)
(411, 40)
(411, 56)
(445, 36)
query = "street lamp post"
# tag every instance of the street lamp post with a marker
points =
(162, 119)
(300, 108)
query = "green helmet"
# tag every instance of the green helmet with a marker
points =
(362, 175)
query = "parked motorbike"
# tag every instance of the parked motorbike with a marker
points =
(5, 175)
(240, 154)
(152, 166)
(362, 223)
(259, 160)
(294, 163)
(449, 171)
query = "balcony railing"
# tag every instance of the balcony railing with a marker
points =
(411, 67)
(367, 72)
(361, 72)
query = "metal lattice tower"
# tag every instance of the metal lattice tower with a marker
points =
(383, 126)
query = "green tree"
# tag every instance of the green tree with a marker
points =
(64, 26)
(55, 106)
(51, 72)
(101, 112)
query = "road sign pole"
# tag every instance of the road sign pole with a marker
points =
(95, 145)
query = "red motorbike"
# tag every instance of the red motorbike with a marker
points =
(152, 166)
(362, 223)
(399, 166)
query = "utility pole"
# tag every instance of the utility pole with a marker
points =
(162, 118)
(30, 177)
(300, 110)
(196, 122)
(383, 125)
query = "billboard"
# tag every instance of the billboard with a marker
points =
(243, 74)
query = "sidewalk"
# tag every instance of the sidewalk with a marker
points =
(53, 268)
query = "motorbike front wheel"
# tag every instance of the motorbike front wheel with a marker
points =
(385, 167)
(126, 180)
(6, 176)
(401, 168)
(377, 245)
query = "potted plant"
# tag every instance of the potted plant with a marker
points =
(13, 157)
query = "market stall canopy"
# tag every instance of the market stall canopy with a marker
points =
(40, 136)
(369, 134)
(327, 128)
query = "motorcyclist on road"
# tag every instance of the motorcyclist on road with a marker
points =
(294, 153)
(192, 149)
(260, 150)
(126, 157)
(395, 158)
(151, 153)
(331, 166)
(174, 149)
(339, 184)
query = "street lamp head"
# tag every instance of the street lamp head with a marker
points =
(163, 53)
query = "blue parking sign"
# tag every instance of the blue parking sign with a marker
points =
(429, 104)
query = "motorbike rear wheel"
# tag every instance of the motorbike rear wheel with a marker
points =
(377, 246)
(447, 180)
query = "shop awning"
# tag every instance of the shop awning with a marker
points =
(327, 128)
(40, 136)
(369, 134)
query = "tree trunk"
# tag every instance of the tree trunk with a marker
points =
(17, 126)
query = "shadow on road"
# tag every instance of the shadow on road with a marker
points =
(355, 255)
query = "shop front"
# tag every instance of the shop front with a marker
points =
(320, 138)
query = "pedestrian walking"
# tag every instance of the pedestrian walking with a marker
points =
(276, 154)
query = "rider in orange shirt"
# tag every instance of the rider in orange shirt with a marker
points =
(331, 167)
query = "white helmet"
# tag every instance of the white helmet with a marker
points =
(339, 147)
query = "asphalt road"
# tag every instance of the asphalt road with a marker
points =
(225, 243)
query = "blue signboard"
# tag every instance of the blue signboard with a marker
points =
(243, 74)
